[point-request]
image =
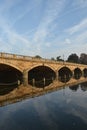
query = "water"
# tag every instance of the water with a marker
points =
(65, 109)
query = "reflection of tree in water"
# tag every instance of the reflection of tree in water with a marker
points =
(74, 88)
(84, 86)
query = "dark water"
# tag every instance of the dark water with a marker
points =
(65, 109)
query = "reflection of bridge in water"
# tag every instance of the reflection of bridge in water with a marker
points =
(37, 72)
(22, 93)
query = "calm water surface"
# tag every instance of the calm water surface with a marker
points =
(65, 109)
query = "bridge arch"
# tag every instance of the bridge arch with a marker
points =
(65, 74)
(9, 74)
(42, 64)
(41, 75)
(62, 66)
(77, 73)
(85, 72)
(12, 65)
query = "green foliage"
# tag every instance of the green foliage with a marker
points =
(59, 59)
(52, 58)
(83, 58)
(73, 58)
(37, 56)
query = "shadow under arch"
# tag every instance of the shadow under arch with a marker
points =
(85, 72)
(77, 73)
(9, 74)
(65, 74)
(42, 64)
(41, 76)
(12, 65)
(9, 78)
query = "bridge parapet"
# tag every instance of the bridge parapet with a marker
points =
(42, 60)
(14, 56)
(27, 58)
(75, 64)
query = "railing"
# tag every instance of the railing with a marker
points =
(14, 56)
(22, 57)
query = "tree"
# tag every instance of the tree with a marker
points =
(59, 59)
(83, 58)
(73, 58)
(52, 58)
(37, 56)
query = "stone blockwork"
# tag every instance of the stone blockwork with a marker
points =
(26, 63)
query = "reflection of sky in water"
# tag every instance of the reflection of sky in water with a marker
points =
(61, 110)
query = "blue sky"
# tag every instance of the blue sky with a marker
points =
(48, 28)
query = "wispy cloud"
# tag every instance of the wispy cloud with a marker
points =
(53, 8)
(25, 10)
(81, 38)
(80, 3)
(36, 25)
(16, 41)
(10, 39)
(6, 5)
(78, 27)
(68, 41)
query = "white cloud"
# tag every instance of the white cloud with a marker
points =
(11, 39)
(81, 38)
(53, 8)
(46, 33)
(48, 44)
(79, 27)
(67, 40)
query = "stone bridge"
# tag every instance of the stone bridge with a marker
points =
(29, 70)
